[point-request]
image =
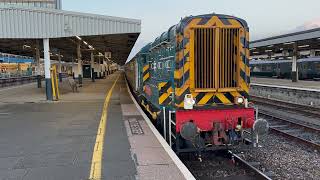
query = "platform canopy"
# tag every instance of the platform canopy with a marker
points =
(21, 28)
(305, 41)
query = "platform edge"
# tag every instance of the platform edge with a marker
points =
(183, 169)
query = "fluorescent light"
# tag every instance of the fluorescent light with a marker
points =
(90, 47)
(253, 48)
(281, 49)
(269, 50)
(287, 43)
(270, 46)
(78, 38)
(303, 46)
(85, 42)
(255, 52)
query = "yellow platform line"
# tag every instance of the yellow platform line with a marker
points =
(96, 162)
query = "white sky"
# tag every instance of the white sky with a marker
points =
(265, 18)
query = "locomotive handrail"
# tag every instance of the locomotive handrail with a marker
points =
(170, 123)
(164, 124)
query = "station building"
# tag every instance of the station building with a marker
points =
(292, 46)
(91, 43)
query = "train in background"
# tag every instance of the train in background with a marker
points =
(308, 68)
(193, 82)
(15, 66)
(15, 69)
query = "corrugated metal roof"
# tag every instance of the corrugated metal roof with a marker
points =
(36, 23)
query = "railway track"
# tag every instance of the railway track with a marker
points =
(305, 110)
(223, 164)
(302, 133)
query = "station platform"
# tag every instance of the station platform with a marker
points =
(302, 92)
(287, 83)
(98, 133)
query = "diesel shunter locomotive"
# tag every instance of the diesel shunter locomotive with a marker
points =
(193, 82)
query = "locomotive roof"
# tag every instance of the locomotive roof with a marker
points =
(169, 35)
(185, 21)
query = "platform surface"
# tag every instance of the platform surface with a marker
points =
(55, 141)
(287, 83)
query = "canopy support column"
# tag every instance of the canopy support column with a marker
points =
(92, 67)
(79, 56)
(38, 66)
(47, 65)
(60, 67)
(294, 73)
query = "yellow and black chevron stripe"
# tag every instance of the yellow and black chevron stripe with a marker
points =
(149, 107)
(146, 73)
(244, 63)
(182, 70)
(165, 90)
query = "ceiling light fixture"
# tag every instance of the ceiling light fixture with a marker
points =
(288, 43)
(304, 46)
(78, 38)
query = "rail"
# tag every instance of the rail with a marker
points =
(220, 161)
(259, 174)
(302, 133)
(303, 109)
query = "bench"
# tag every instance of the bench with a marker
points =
(73, 84)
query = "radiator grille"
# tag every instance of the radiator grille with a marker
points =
(216, 58)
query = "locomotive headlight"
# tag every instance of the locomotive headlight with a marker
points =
(239, 100)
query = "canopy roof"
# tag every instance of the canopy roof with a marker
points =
(22, 27)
